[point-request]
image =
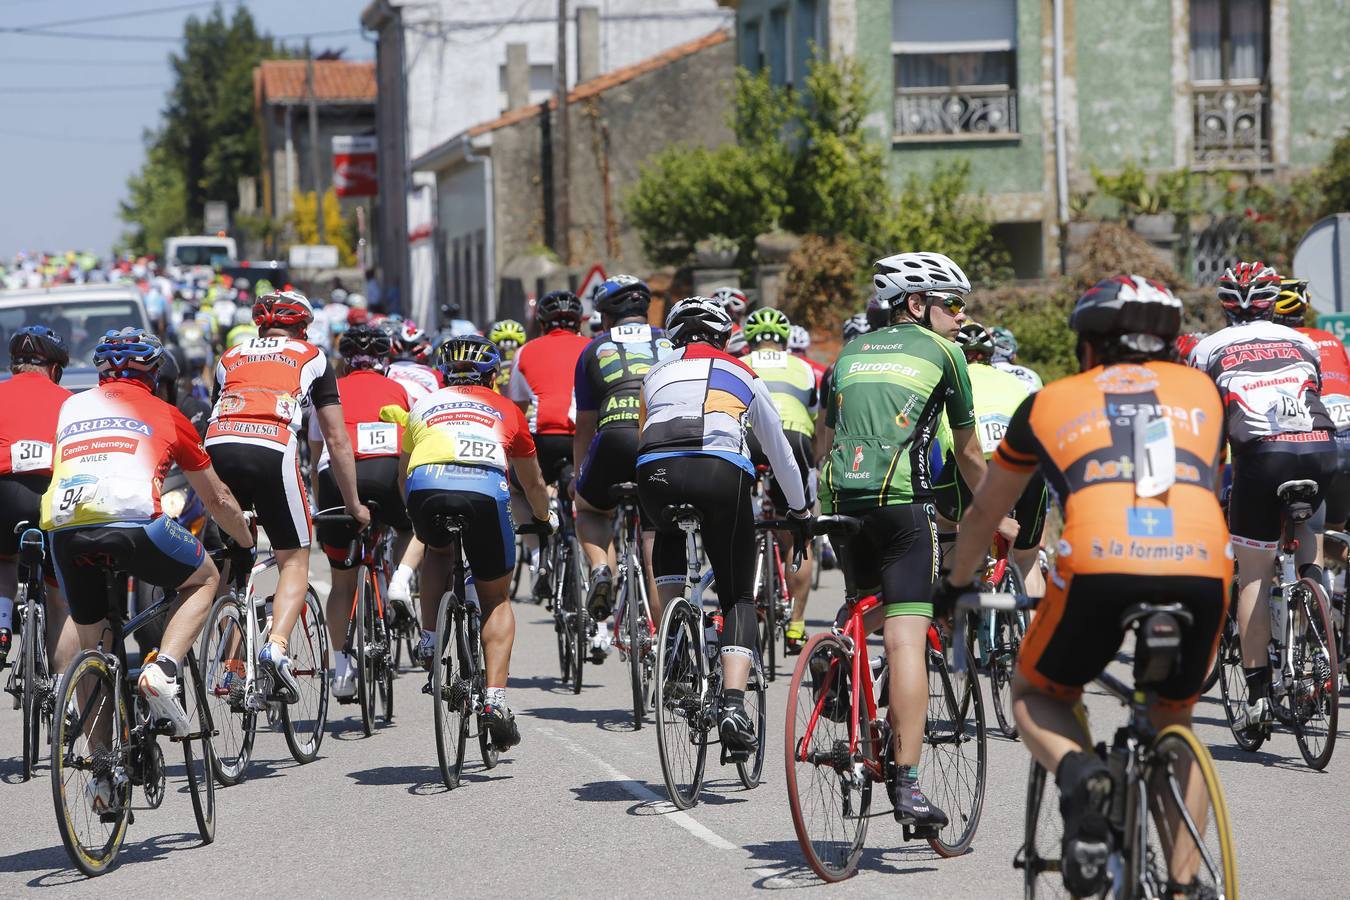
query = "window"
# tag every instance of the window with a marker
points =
(1228, 40)
(1230, 103)
(778, 45)
(752, 57)
(955, 68)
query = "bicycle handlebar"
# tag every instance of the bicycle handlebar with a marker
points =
(341, 517)
(981, 600)
(543, 529)
(838, 525)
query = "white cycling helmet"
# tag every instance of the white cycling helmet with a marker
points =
(799, 339)
(903, 274)
(733, 300)
(356, 301)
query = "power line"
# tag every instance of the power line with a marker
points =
(55, 61)
(108, 17)
(163, 39)
(82, 89)
(65, 138)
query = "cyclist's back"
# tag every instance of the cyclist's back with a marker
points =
(544, 380)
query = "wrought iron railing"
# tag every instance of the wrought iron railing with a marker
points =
(922, 112)
(1232, 124)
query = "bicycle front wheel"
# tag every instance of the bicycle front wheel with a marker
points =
(629, 599)
(952, 764)
(1190, 838)
(450, 691)
(88, 746)
(33, 669)
(223, 654)
(304, 720)
(197, 751)
(751, 771)
(1233, 687)
(1039, 857)
(580, 619)
(681, 673)
(1009, 628)
(1316, 697)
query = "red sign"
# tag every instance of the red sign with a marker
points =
(354, 173)
(594, 278)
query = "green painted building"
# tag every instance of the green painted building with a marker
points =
(1256, 85)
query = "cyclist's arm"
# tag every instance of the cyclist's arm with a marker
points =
(404, 458)
(970, 457)
(532, 480)
(220, 502)
(315, 451)
(997, 494)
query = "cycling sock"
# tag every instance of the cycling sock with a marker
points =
(278, 640)
(168, 664)
(403, 575)
(342, 664)
(495, 696)
(908, 774)
(1258, 680)
(6, 613)
(731, 695)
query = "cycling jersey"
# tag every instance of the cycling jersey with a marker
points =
(364, 393)
(885, 396)
(418, 380)
(998, 393)
(819, 368)
(1335, 375)
(29, 405)
(545, 378)
(1025, 375)
(792, 386)
(610, 371)
(698, 401)
(461, 427)
(264, 385)
(114, 445)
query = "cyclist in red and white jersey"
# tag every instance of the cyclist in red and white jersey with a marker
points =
(264, 385)
(412, 351)
(29, 404)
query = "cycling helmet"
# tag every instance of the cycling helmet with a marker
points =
(243, 316)
(1132, 311)
(799, 339)
(559, 309)
(736, 344)
(1292, 303)
(767, 325)
(621, 296)
(129, 353)
(38, 345)
(282, 309)
(507, 334)
(365, 347)
(903, 274)
(855, 326)
(595, 323)
(356, 301)
(357, 315)
(411, 342)
(1005, 344)
(698, 319)
(976, 341)
(1249, 291)
(469, 359)
(338, 296)
(733, 300)
(1185, 344)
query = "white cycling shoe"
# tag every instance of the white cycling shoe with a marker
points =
(160, 693)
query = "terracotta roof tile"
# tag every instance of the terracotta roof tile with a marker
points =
(283, 80)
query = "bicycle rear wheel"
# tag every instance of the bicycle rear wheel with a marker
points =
(88, 743)
(450, 691)
(223, 651)
(751, 771)
(1039, 856)
(766, 604)
(1203, 852)
(487, 748)
(197, 751)
(828, 796)
(365, 675)
(681, 733)
(33, 667)
(1008, 631)
(579, 617)
(952, 764)
(303, 721)
(628, 597)
(1233, 687)
(522, 554)
(1316, 667)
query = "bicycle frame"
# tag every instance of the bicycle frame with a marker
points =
(629, 553)
(368, 552)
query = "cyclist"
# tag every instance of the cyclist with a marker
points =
(692, 450)
(880, 416)
(454, 462)
(364, 392)
(114, 444)
(1005, 358)
(792, 387)
(412, 348)
(997, 395)
(1278, 430)
(509, 336)
(263, 387)
(736, 304)
(608, 384)
(29, 404)
(544, 389)
(1130, 534)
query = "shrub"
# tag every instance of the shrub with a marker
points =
(824, 279)
(1113, 249)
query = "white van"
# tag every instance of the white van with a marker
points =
(190, 255)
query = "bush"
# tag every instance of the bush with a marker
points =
(824, 279)
(1113, 249)
(937, 213)
(1039, 316)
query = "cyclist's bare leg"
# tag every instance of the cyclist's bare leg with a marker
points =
(1183, 856)
(338, 608)
(194, 604)
(1254, 570)
(292, 580)
(437, 568)
(799, 582)
(656, 599)
(1049, 726)
(907, 660)
(499, 628)
(595, 529)
(1028, 563)
(62, 640)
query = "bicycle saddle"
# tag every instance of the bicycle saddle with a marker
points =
(624, 491)
(1298, 498)
(838, 525)
(681, 514)
(1140, 611)
(450, 523)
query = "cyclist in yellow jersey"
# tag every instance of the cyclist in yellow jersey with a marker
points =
(792, 387)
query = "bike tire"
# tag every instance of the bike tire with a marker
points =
(365, 677)
(681, 676)
(1009, 629)
(235, 724)
(197, 752)
(304, 722)
(521, 556)
(1233, 687)
(580, 618)
(1216, 671)
(1039, 857)
(89, 677)
(829, 813)
(629, 597)
(1318, 668)
(954, 761)
(771, 623)
(385, 641)
(450, 697)
(751, 771)
(31, 652)
(487, 748)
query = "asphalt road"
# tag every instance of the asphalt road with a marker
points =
(578, 809)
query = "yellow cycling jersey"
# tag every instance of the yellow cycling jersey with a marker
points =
(997, 395)
(792, 387)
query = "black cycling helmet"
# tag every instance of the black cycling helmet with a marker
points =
(976, 341)
(699, 319)
(622, 296)
(559, 309)
(38, 345)
(365, 346)
(1131, 312)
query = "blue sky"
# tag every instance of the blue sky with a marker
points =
(72, 110)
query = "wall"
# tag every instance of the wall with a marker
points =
(1320, 77)
(461, 197)
(333, 120)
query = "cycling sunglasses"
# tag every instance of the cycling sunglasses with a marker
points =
(954, 303)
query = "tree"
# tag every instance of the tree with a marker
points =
(304, 221)
(156, 205)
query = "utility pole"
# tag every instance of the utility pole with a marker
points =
(314, 142)
(561, 183)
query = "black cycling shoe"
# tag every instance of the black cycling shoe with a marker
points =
(1085, 796)
(602, 585)
(912, 806)
(1192, 891)
(737, 732)
(501, 725)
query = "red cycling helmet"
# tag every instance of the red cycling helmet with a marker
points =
(284, 309)
(1185, 344)
(1249, 290)
(357, 315)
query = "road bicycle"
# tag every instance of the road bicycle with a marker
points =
(773, 602)
(634, 628)
(1151, 772)
(993, 645)
(237, 690)
(1340, 609)
(689, 681)
(30, 680)
(1304, 691)
(837, 746)
(101, 752)
(568, 584)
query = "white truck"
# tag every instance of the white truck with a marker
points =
(188, 256)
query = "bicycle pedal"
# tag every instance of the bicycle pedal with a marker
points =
(919, 832)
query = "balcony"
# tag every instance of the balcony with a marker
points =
(1231, 125)
(967, 113)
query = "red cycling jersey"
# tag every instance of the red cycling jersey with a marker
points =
(545, 377)
(1335, 363)
(29, 405)
(364, 393)
(264, 384)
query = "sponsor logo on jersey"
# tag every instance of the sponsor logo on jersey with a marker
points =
(236, 427)
(1148, 522)
(76, 481)
(857, 458)
(264, 357)
(111, 423)
(98, 445)
(882, 368)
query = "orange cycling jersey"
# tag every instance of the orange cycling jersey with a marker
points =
(29, 405)
(264, 385)
(1081, 432)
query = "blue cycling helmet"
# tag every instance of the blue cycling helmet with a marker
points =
(129, 353)
(468, 359)
(38, 345)
(621, 296)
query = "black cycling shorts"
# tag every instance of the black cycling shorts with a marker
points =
(951, 497)
(611, 459)
(1338, 493)
(895, 552)
(20, 501)
(554, 454)
(376, 482)
(162, 553)
(268, 481)
(1254, 510)
(803, 451)
(488, 537)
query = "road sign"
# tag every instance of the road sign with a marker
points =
(313, 256)
(1323, 260)
(216, 217)
(1338, 324)
(354, 172)
(594, 278)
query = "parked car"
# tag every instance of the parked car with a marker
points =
(79, 313)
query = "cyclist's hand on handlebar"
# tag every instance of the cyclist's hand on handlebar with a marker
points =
(945, 595)
(1009, 529)
(551, 521)
(360, 513)
(799, 526)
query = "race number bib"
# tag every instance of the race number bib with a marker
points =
(478, 450)
(771, 359)
(1291, 414)
(375, 438)
(30, 456)
(1338, 407)
(992, 428)
(262, 345)
(631, 334)
(1155, 456)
